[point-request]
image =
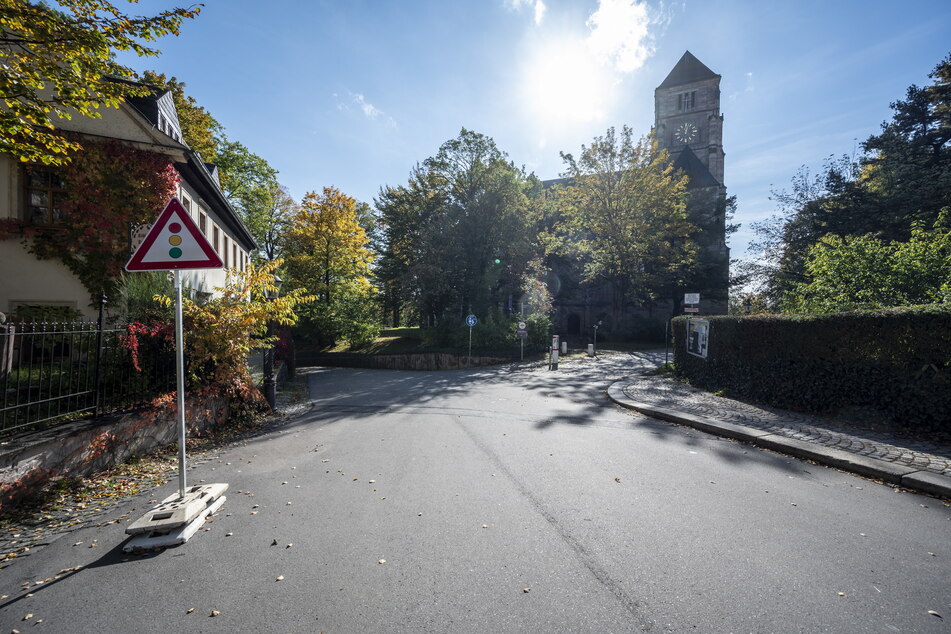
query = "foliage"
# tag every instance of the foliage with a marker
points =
(137, 297)
(327, 254)
(57, 61)
(625, 217)
(901, 181)
(199, 128)
(455, 237)
(863, 272)
(109, 187)
(250, 185)
(219, 331)
(893, 362)
(495, 332)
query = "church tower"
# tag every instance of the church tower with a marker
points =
(688, 124)
(687, 116)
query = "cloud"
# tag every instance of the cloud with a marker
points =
(538, 7)
(368, 109)
(620, 34)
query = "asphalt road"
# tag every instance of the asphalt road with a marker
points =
(501, 501)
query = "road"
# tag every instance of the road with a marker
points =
(501, 500)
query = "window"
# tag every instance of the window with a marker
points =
(215, 242)
(225, 252)
(686, 100)
(203, 223)
(234, 255)
(45, 191)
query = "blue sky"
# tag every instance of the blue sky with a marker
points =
(353, 93)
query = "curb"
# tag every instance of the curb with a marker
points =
(899, 474)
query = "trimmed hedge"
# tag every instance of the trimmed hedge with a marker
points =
(895, 361)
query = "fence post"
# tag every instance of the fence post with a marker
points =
(98, 388)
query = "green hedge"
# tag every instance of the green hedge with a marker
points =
(896, 361)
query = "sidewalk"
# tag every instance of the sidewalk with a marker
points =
(921, 465)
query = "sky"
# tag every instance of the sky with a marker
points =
(354, 93)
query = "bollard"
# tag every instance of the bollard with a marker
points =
(590, 349)
(564, 347)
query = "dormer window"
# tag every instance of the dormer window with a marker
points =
(686, 100)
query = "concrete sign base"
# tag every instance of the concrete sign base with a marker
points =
(175, 511)
(174, 537)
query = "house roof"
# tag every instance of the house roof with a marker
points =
(695, 170)
(688, 70)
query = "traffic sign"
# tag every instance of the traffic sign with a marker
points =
(522, 325)
(521, 333)
(174, 243)
(691, 298)
(471, 321)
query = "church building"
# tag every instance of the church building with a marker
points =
(689, 125)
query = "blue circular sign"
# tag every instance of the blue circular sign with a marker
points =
(471, 321)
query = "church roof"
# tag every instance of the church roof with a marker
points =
(695, 170)
(689, 69)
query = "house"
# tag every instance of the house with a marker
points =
(29, 194)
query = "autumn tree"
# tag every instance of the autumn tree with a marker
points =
(326, 254)
(625, 217)
(58, 61)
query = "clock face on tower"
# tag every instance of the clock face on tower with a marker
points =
(686, 133)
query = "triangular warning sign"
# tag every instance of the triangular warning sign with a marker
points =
(174, 242)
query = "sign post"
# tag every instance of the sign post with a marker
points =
(174, 243)
(471, 321)
(522, 333)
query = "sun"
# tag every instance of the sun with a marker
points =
(564, 86)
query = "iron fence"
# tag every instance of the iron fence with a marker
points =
(53, 373)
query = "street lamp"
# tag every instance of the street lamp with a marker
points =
(270, 389)
(594, 348)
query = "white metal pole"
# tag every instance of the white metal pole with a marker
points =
(470, 345)
(180, 368)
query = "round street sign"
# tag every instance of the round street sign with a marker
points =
(522, 325)
(471, 321)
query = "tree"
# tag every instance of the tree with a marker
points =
(625, 217)
(455, 237)
(56, 62)
(200, 130)
(901, 181)
(865, 272)
(327, 254)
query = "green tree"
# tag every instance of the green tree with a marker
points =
(57, 61)
(327, 255)
(865, 272)
(902, 179)
(625, 217)
(455, 237)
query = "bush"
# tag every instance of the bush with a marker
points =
(495, 333)
(896, 361)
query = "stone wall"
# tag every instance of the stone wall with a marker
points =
(30, 461)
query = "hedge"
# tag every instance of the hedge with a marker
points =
(894, 361)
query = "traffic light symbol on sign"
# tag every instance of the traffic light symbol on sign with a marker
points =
(174, 242)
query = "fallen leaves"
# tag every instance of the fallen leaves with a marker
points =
(189, 610)
(933, 613)
(617, 479)
(382, 561)
(280, 578)
(526, 590)
(215, 613)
